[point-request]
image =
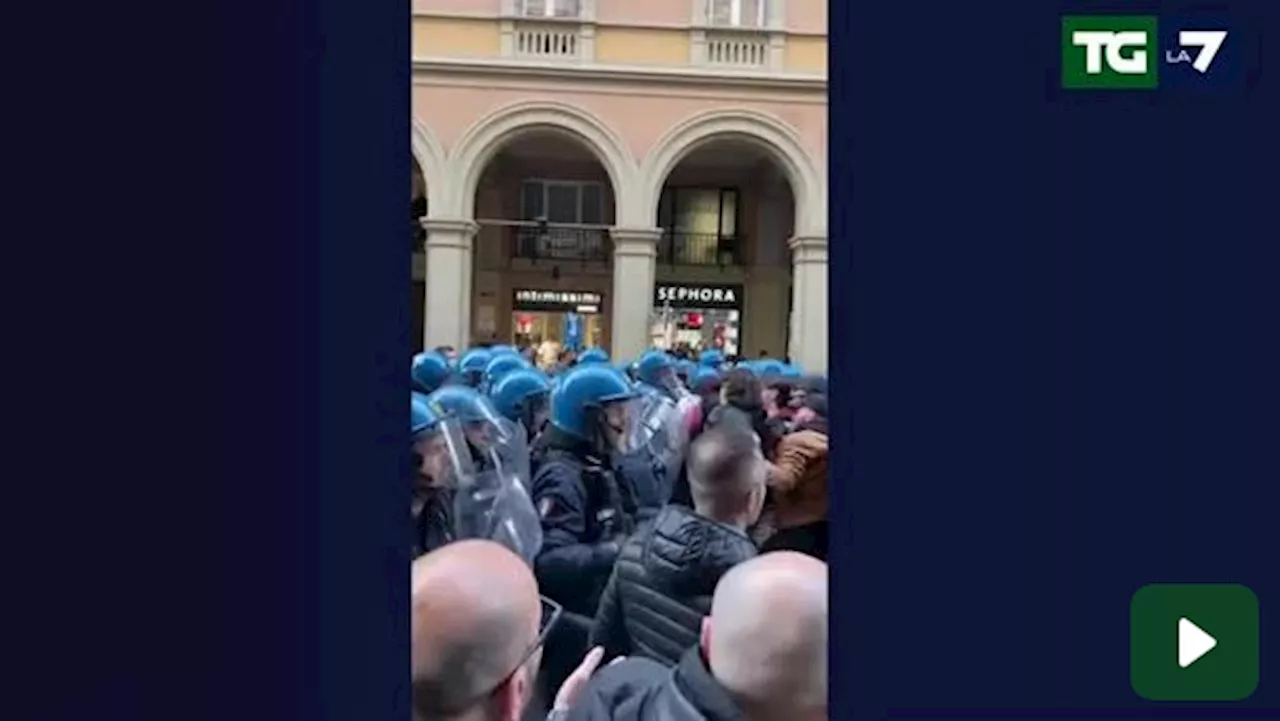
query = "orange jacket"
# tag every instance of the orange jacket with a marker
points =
(798, 479)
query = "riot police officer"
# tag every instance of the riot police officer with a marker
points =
(432, 503)
(500, 365)
(428, 371)
(672, 412)
(711, 358)
(472, 365)
(491, 439)
(657, 370)
(484, 463)
(585, 511)
(523, 397)
(593, 355)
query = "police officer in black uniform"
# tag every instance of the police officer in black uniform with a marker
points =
(586, 513)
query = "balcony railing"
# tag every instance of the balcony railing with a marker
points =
(547, 42)
(552, 243)
(677, 248)
(737, 49)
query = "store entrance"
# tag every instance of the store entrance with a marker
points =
(550, 321)
(533, 327)
(696, 330)
(693, 318)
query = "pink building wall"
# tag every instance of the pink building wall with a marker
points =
(641, 117)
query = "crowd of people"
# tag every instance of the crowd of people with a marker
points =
(642, 540)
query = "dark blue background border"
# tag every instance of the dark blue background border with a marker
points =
(1057, 357)
(211, 339)
(1058, 394)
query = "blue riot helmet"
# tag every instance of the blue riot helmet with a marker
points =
(500, 365)
(628, 369)
(474, 413)
(657, 369)
(472, 366)
(769, 368)
(500, 350)
(711, 358)
(705, 381)
(428, 371)
(685, 369)
(429, 445)
(593, 355)
(488, 461)
(523, 396)
(599, 405)
(791, 370)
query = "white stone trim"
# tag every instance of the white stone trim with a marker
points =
(697, 47)
(808, 249)
(701, 76)
(432, 160)
(488, 135)
(777, 60)
(635, 241)
(465, 229)
(806, 176)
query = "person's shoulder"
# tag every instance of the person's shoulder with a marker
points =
(556, 474)
(618, 691)
(811, 439)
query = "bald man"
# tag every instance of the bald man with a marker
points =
(475, 625)
(762, 655)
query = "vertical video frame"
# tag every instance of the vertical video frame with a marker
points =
(618, 415)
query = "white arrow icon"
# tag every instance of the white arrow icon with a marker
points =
(1193, 642)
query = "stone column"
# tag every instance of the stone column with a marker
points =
(635, 252)
(447, 316)
(809, 303)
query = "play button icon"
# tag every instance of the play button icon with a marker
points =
(1193, 642)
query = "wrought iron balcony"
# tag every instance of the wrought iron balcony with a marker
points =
(678, 248)
(555, 243)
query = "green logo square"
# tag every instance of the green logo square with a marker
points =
(1193, 642)
(1110, 52)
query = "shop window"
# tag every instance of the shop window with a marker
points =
(737, 13)
(551, 8)
(700, 225)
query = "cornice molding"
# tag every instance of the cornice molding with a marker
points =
(597, 71)
(621, 24)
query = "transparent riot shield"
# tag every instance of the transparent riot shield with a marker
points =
(662, 426)
(491, 498)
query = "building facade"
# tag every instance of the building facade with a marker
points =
(622, 174)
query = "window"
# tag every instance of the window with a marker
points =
(700, 224)
(565, 202)
(737, 13)
(702, 211)
(562, 201)
(550, 8)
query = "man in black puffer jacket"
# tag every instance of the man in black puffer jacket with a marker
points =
(665, 576)
(762, 655)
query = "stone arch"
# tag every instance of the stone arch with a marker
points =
(432, 160)
(780, 140)
(491, 133)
